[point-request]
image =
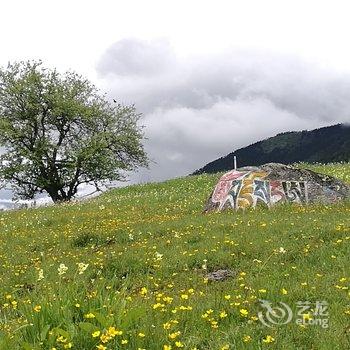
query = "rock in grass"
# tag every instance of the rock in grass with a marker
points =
(220, 275)
(274, 183)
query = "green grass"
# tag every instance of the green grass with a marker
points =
(147, 248)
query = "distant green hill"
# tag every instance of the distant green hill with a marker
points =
(324, 145)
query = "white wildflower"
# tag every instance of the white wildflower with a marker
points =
(82, 267)
(282, 250)
(41, 275)
(159, 256)
(62, 269)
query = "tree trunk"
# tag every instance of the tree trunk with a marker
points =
(56, 196)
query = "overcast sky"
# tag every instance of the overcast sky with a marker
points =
(208, 76)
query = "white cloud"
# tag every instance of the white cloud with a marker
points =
(134, 57)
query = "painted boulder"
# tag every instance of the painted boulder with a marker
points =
(274, 183)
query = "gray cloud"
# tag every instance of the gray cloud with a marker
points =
(202, 107)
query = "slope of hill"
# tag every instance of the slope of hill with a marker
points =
(324, 145)
(127, 270)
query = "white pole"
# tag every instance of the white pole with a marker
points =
(235, 162)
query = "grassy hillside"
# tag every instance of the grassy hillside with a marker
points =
(148, 249)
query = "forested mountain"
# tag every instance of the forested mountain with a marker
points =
(324, 145)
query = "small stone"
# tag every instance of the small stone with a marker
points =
(220, 275)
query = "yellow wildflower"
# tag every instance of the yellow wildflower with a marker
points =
(307, 317)
(166, 325)
(61, 339)
(174, 335)
(268, 339)
(223, 314)
(158, 306)
(168, 300)
(243, 312)
(113, 332)
(37, 308)
(105, 338)
(247, 338)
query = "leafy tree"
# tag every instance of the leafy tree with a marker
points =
(57, 132)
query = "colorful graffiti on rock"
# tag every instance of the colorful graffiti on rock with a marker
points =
(238, 189)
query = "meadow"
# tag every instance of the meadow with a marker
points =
(127, 270)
